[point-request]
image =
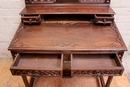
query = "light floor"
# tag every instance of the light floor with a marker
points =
(7, 80)
(126, 63)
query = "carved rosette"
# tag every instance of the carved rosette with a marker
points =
(36, 73)
(96, 72)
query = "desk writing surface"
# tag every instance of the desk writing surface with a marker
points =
(54, 36)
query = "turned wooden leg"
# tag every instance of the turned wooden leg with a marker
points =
(25, 81)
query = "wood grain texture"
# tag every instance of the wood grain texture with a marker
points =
(76, 37)
(79, 9)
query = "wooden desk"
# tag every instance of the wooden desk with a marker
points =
(65, 40)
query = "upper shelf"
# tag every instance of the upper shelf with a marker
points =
(67, 9)
(32, 2)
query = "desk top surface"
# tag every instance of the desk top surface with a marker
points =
(67, 9)
(76, 37)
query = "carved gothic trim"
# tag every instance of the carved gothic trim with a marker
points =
(113, 45)
(96, 72)
(36, 73)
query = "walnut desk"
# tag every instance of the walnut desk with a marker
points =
(67, 38)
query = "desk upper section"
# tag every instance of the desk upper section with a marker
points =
(67, 26)
(67, 7)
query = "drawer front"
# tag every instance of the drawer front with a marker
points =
(31, 19)
(36, 73)
(96, 72)
(96, 65)
(67, 65)
(103, 19)
(37, 65)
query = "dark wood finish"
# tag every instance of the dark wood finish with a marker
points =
(88, 65)
(102, 81)
(31, 19)
(32, 81)
(109, 81)
(25, 81)
(105, 61)
(66, 38)
(76, 37)
(76, 9)
(103, 19)
(65, 1)
(37, 65)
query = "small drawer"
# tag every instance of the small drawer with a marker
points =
(37, 65)
(31, 19)
(96, 64)
(103, 19)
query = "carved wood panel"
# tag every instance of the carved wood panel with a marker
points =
(96, 72)
(36, 73)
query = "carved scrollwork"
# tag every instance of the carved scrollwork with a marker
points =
(96, 72)
(36, 73)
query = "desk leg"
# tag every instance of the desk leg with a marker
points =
(109, 81)
(107, 84)
(31, 82)
(102, 81)
(25, 81)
